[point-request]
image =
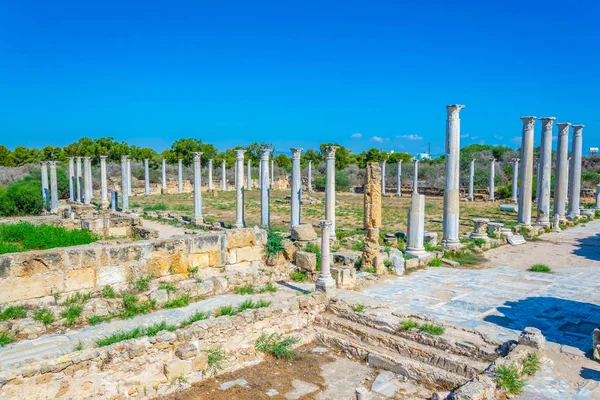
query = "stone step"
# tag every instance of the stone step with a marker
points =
(516, 240)
(383, 358)
(426, 354)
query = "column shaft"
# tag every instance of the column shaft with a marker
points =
(515, 180)
(79, 180)
(124, 185)
(526, 172)
(575, 184)
(53, 187)
(146, 177)
(296, 188)
(325, 282)
(265, 214)
(180, 175)
(239, 189)
(223, 176)
(416, 227)
(210, 173)
(87, 164)
(545, 176)
(45, 185)
(72, 182)
(197, 188)
(330, 187)
(103, 183)
(399, 179)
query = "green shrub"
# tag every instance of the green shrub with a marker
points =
(436, 262)
(247, 289)
(274, 243)
(5, 338)
(108, 292)
(432, 329)
(590, 176)
(22, 197)
(358, 245)
(215, 358)
(197, 316)
(142, 283)
(181, 301)
(13, 312)
(315, 249)
(72, 313)
(298, 276)
(540, 268)
(509, 380)
(408, 324)
(360, 308)
(6, 248)
(41, 237)
(169, 287)
(276, 345)
(44, 315)
(269, 287)
(479, 242)
(131, 306)
(531, 364)
(246, 305)
(342, 181)
(96, 319)
(77, 298)
(156, 207)
(225, 311)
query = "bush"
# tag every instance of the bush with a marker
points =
(342, 182)
(5, 338)
(274, 243)
(44, 315)
(278, 347)
(13, 312)
(215, 358)
(540, 268)
(181, 301)
(507, 377)
(531, 364)
(22, 198)
(298, 276)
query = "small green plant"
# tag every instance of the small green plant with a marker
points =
(274, 243)
(13, 312)
(44, 315)
(246, 305)
(169, 287)
(199, 280)
(225, 311)
(56, 296)
(436, 262)
(360, 308)
(262, 303)
(179, 381)
(197, 316)
(96, 319)
(276, 345)
(492, 235)
(508, 379)
(192, 270)
(432, 329)
(315, 249)
(153, 329)
(479, 242)
(358, 245)
(108, 292)
(540, 268)
(181, 301)
(215, 358)
(298, 276)
(371, 270)
(5, 338)
(247, 289)
(408, 324)
(137, 332)
(142, 283)
(531, 364)
(358, 262)
(269, 287)
(77, 298)
(78, 346)
(72, 313)
(131, 306)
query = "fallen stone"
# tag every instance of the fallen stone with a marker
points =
(509, 207)
(440, 396)
(319, 350)
(532, 337)
(186, 351)
(516, 240)
(361, 393)
(451, 263)
(306, 261)
(596, 342)
(161, 296)
(303, 233)
(431, 238)
(479, 388)
(345, 257)
(230, 384)
(385, 384)
(28, 327)
(272, 392)
(301, 389)
(397, 261)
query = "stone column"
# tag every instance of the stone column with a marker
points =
(330, 187)
(383, 177)
(146, 177)
(480, 228)
(164, 176)
(259, 174)
(72, 183)
(87, 182)
(239, 189)
(89, 176)
(103, 185)
(124, 184)
(492, 196)
(399, 179)
(265, 192)
(249, 177)
(575, 184)
(545, 176)
(597, 197)
(416, 227)
(416, 178)
(309, 182)
(568, 178)
(45, 186)
(526, 171)
(223, 176)
(53, 188)
(450, 239)
(129, 178)
(537, 179)
(515, 180)
(79, 180)
(471, 195)
(197, 189)
(296, 187)
(210, 172)
(115, 200)
(272, 172)
(371, 256)
(180, 175)
(325, 282)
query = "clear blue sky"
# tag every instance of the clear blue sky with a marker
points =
(295, 73)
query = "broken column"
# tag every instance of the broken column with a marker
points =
(330, 187)
(103, 184)
(265, 213)
(416, 227)
(450, 239)
(575, 183)
(124, 190)
(53, 188)
(371, 256)
(480, 228)
(164, 176)
(545, 176)
(239, 189)
(399, 178)
(180, 175)
(296, 194)
(72, 182)
(210, 172)
(146, 177)
(325, 282)
(87, 182)
(515, 180)
(223, 176)
(492, 196)
(526, 172)
(383, 177)
(79, 180)
(197, 188)
(471, 195)
(45, 186)
(309, 181)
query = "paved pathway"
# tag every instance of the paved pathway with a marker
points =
(164, 230)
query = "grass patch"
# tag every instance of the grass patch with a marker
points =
(276, 345)
(531, 364)
(108, 292)
(44, 315)
(358, 245)
(131, 306)
(225, 311)
(540, 268)
(143, 283)
(371, 270)
(215, 358)
(120, 336)
(436, 262)
(156, 207)
(269, 287)
(431, 328)
(247, 289)
(169, 287)
(96, 319)
(13, 312)
(197, 316)
(77, 298)
(72, 313)
(509, 380)
(177, 302)
(298, 276)
(78, 346)
(360, 308)
(479, 242)
(408, 324)
(5, 338)
(465, 258)
(26, 236)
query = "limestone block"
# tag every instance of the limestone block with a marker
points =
(344, 277)
(532, 337)
(306, 261)
(396, 261)
(242, 237)
(303, 232)
(176, 368)
(289, 250)
(100, 307)
(479, 388)
(145, 233)
(200, 362)
(372, 198)
(118, 231)
(80, 279)
(245, 254)
(21, 288)
(111, 274)
(345, 257)
(596, 343)
(206, 242)
(27, 327)
(161, 296)
(186, 351)
(200, 260)
(6, 262)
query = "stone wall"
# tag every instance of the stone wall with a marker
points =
(152, 367)
(37, 274)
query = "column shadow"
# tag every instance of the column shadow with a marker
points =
(588, 247)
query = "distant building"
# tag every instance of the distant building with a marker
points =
(423, 156)
(593, 151)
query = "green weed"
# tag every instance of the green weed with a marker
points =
(181, 301)
(13, 312)
(44, 315)
(216, 357)
(247, 289)
(360, 308)
(540, 268)
(298, 276)
(225, 311)
(169, 287)
(5, 338)
(197, 316)
(531, 364)
(72, 313)
(108, 292)
(509, 380)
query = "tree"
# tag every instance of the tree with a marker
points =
(395, 157)
(310, 155)
(6, 157)
(253, 152)
(283, 161)
(23, 155)
(183, 148)
(342, 155)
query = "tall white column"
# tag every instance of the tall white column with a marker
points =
(87, 182)
(492, 193)
(526, 172)
(197, 188)
(259, 174)
(515, 180)
(399, 179)
(129, 178)
(597, 206)
(416, 177)
(575, 184)
(330, 187)
(562, 171)
(383, 177)
(296, 187)
(309, 185)
(545, 176)
(451, 232)
(164, 176)
(210, 172)
(103, 185)
(239, 189)
(416, 227)
(249, 178)
(272, 172)
(325, 282)
(45, 186)
(180, 175)
(265, 191)
(223, 176)
(568, 177)
(471, 195)
(79, 180)
(53, 188)
(89, 176)
(72, 183)
(538, 180)
(146, 177)
(124, 184)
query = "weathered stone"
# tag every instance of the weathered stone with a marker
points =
(230, 384)
(289, 250)
(344, 277)
(345, 257)
(242, 237)
(306, 261)
(396, 261)
(385, 384)
(100, 307)
(301, 389)
(28, 327)
(161, 296)
(516, 240)
(185, 351)
(532, 337)
(200, 362)
(431, 238)
(176, 368)
(303, 233)
(480, 388)
(372, 197)
(596, 344)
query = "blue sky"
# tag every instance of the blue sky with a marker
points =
(364, 74)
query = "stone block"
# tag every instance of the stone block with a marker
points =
(28, 327)
(5, 265)
(80, 279)
(200, 362)
(596, 344)
(289, 250)
(245, 254)
(397, 261)
(344, 277)
(345, 257)
(186, 351)
(242, 237)
(431, 238)
(111, 274)
(479, 388)
(532, 337)
(176, 368)
(200, 260)
(161, 296)
(306, 261)
(303, 233)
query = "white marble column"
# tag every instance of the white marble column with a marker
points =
(223, 176)
(129, 178)
(124, 185)
(325, 282)
(597, 206)
(383, 177)
(492, 193)
(296, 188)
(309, 182)
(416, 177)
(575, 184)
(450, 239)
(72, 183)
(91, 184)
(330, 187)
(259, 174)
(210, 173)
(526, 172)
(562, 171)
(53, 188)
(515, 180)
(265, 191)
(180, 175)
(146, 177)
(471, 195)
(568, 177)
(45, 185)
(164, 176)
(416, 227)
(239, 189)
(197, 189)
(78, 171)
(537, 164)
(272, 172)
(103, 185)
(249, 177)
(545, 176)
(399, 179)
(87, 182)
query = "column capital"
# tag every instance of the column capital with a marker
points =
(516, 160)
(196, 155)
(453, 110)
(44, 164)
(239, 154)
(473, 161)
(52, 164)
(399, 161)
(87, 158)
(210, 160)
(547, 123)
(528, 122)
(563, 128)
(296, 152)
(325, 224)
(146, 159)
(383, 162)
(103, 157)
(264, 154)
(577, 129)
(123, 158)
(180, 160)
(223, 162)
(330, 151)
(71, 158)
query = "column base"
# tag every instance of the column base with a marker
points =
(475, 236)
(542, 224)
(104, 205)
(417, 253)
(325, 284)
(451, 244)
(238, 225)
(198, 221)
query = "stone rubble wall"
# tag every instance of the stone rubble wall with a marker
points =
(39, 274)
(153, 367)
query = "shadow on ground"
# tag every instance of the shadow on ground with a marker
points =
(588, 247)
(562, 321)
(588, 373)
